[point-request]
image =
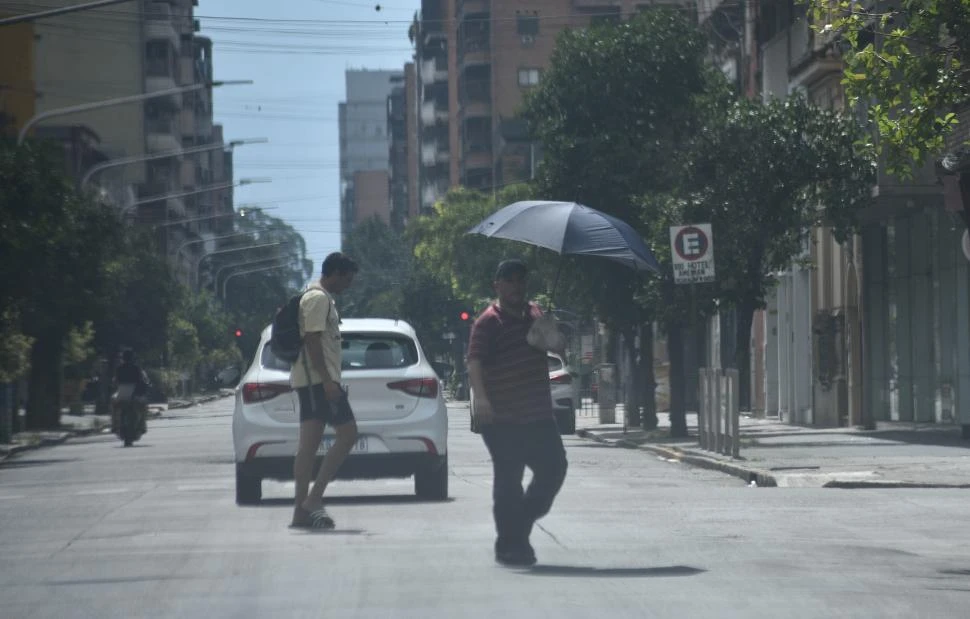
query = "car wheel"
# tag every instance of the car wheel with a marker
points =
(431, 482)
(249, 488)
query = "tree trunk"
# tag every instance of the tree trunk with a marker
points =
(44, 387)
(648, 384)
(634, 381)
(106, 374)
(678, 380)
(742, 353)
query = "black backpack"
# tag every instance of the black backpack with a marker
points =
(286, 341)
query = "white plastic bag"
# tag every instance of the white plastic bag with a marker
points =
(544, 334)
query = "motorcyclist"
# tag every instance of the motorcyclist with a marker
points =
(132, 388)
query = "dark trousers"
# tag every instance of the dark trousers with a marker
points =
(513, 447)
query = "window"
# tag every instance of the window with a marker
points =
(367, 351)
(528, 77)
(528, 23)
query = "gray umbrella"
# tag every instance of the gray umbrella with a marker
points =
(570, 228)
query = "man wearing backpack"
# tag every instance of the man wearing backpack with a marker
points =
(316, 377)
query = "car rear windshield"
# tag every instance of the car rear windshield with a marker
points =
(370, 351)
(362, 351)
(555, 363)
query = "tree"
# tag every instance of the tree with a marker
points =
(907, 66)
(385, 264)
(464, 262)
(138, 298)
(611, 112)
(765, 174)
(54, 244)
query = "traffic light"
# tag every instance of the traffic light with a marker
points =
(465, 315)
(238, 333)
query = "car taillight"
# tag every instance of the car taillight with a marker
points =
(419, 387)
(562, 379)
(260, 392)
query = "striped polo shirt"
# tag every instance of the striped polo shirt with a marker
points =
(516, 374)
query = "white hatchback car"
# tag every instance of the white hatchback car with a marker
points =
(394, 392)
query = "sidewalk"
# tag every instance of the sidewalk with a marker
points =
(89, 423)
(777, 454)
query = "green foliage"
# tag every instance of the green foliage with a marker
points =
(463, 262)
(14, 347)
(79, 351)
(384, 259)
(764, 174)
(54, 242)
(139, 297)
(906, 67)
(612, 113)
(183, 344)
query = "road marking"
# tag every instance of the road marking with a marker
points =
(4, 497)
(99, 492)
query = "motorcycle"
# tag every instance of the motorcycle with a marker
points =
(129, 413)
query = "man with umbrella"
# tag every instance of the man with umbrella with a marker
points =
(513, 410)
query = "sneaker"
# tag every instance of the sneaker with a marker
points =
(517, 555)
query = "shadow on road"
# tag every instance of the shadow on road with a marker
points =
(338, 531)
(15, 463)
(614, 572)
(382, 499)
(112, 581)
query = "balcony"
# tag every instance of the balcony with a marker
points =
(478, 157)
(809, 60)
(430, 73)
(161, 135)
(429, 154)
(472, 7)
(431, 114)
(160, 24)
(188, 173)
(476, 51)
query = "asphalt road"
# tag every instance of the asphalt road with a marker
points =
(89, 529)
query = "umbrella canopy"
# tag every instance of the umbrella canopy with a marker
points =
(570, 228)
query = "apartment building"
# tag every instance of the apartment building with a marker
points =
(365, 142)
(476, 60)
(402, 127)
(117, 51)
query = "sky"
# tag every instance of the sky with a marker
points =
(296, 52)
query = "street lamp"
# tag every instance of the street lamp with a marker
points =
(164, 155)
(198, 263)
(246, 272)
(241, 264)
(95, 105)
(206, 189)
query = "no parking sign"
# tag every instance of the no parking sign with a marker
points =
(692, 250)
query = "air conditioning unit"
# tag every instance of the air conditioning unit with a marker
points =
(528, 39)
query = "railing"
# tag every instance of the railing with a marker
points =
(718, 421)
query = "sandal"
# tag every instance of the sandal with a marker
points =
(320, 519)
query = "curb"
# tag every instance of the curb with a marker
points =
(196, 402)
(762, 478)
(870, 485)
(48, 442)
(69, 434)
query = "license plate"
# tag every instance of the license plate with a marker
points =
(359, 447)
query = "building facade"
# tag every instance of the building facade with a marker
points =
(108, 53)
(364, 138)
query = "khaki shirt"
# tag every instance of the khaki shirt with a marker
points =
(318, 314)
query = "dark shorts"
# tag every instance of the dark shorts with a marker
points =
(319, 408)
